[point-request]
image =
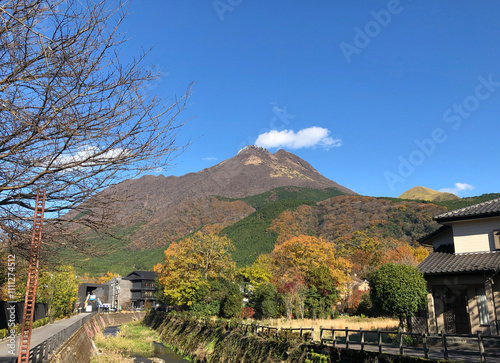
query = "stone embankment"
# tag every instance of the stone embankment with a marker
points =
(80, 347)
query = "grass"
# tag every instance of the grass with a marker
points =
(133, 339)
(352, 322)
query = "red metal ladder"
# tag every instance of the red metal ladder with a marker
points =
(32, 283)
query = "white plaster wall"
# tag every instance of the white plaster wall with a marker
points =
(475, 235)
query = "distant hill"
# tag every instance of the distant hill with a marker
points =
(423, 193)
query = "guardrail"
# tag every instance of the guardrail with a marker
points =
(41, 352)
(404, 343)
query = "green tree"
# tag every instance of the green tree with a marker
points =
(207, 298)
(59, 289)
(322, 293)
(217, 297)
(265, 301)
(398, 290)
(232, 303)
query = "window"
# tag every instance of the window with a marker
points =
(496, 239)
(482, 305)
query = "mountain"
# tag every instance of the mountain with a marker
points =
(179, 205)
(423, 193)
(252, 171)
(148, 213)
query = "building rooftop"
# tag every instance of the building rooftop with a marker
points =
(490, 208)
(144, 275)
(425, 240)
(438, 263)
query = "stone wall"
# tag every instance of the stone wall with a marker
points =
(80, 347)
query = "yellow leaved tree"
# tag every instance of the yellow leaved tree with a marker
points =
(191, 262)
(108, 276)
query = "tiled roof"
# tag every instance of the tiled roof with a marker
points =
(485, 209)
(145, 275)
(424, 240)
(438, 263)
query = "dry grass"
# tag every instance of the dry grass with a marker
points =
(351, 322)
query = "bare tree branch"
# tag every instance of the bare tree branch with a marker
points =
(74, 118)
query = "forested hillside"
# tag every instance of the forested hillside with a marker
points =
(255, 224)
(335, 219)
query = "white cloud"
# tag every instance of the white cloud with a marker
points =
(209, 158)
(305, 138)
(458, 188)
(87, 156)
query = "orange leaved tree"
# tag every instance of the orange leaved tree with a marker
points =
(308, 274)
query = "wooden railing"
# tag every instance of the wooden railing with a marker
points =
(465, 345)
(254, 328)
(398, 342)
(379, 338)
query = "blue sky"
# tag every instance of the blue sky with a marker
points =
(379, 96)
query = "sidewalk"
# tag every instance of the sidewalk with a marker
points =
(39, 336)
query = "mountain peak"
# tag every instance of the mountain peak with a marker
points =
(423, 193)
(253, 149)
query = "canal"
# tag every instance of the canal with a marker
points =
(122, 342)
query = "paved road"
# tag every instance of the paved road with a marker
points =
(38, 336)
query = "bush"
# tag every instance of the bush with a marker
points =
(316, 358)
(398, 290)
(365, 307)
(248, 312)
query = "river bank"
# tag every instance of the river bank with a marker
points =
(132, 342)
(207, 341)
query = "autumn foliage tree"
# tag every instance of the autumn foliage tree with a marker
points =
(58, 288)
(191, 263)
(305, 266)
(108, 276)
